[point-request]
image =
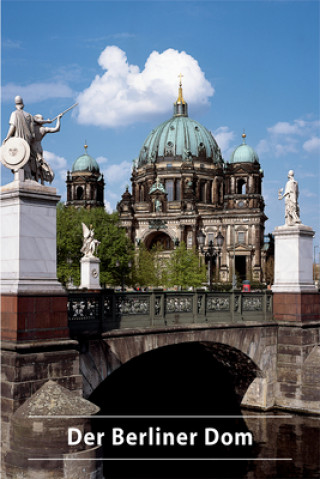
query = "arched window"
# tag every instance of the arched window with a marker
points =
(79, 193)
(241, 187)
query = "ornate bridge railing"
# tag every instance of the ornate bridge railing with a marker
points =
(94, 313)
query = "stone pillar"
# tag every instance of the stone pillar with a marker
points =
(90, 272)
(34, 328)
(33, 301)
(296, 307)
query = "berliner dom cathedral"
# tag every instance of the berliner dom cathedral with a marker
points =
(184, 190)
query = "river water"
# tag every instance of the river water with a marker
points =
(286, 446)
(296, 438)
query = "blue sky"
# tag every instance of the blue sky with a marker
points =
(250, 65)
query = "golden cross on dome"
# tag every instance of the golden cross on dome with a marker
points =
(180, 76)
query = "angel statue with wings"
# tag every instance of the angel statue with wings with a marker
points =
(90, 244)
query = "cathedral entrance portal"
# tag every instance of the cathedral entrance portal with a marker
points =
(240, 263)
(159, 239)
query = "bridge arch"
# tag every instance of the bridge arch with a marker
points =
(216, 372)
(189, 378)
(248, 353)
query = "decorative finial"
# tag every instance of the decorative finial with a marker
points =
(180, 106)
(180, 96)
(85, 145)
(244, 136)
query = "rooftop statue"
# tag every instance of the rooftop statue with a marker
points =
(291, 194)
(90, 244)
(157, 186)
(22, 149)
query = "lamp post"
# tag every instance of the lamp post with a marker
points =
(211, 252)
(123, 270)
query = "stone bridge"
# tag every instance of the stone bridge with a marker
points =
(237, 329)
(259, 350)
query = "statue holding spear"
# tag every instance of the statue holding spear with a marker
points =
(22, 148)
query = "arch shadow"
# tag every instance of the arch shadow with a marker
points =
(188, 379)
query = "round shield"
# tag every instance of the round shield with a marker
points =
(15, 153)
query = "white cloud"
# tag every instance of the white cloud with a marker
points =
(36, 92)
(115, 174)
(263, 147)
(286, 128)
(224, 137)
(102, 159)
(285, 138)
(284, 149)
(56, 162)
(123, 94)
(312, 145)
(107, 207)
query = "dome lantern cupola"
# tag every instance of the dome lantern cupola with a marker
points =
(85, 162)
(244, 153)
(180, 106)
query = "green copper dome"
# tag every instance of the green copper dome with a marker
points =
(179, 138)
(244, 153)
(86, 163)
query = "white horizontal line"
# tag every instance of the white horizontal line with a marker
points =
(159, 417)
(161, 459)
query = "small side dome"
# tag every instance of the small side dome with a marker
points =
(85, 163)
(244, 153)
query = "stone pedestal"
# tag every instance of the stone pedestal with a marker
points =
(293, 259)
(34, 303)
(28, 238)
(90, 273)
(296, 308)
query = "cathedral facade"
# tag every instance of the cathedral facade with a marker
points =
(183, 190)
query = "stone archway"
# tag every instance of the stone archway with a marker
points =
(159, 238)
(167, 389)
(240, 349)
(234, 367)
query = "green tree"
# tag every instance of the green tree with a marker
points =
(144, 273)
(114, 244)
(185, 268)
(159, 264)
(150, 266)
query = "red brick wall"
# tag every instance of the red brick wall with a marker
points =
(301, 307)
(33, 317)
